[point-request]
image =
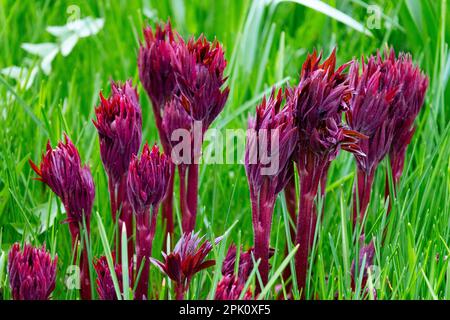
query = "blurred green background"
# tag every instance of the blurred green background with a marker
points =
(265, 43)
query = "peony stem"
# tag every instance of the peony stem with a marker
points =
(364, 184)
(192, 194)
(167, 204)
(83, 263)
(307, 218)
(126, 217)
(179, 292)
(397, 162)
(119, 201)
(145, 233)
(188, 196)
(262, 212)
(112, 198)
(167, 207)
(185, 214)
(306, 225)
(85, 280)
(290, 195)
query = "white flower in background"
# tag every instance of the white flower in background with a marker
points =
(47, 51)
(67, 37)
(23, 75)
(69, 34)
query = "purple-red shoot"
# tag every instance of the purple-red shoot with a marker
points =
(119, 125)
(231, 285)
(271, 141)
(157, 75)
(148, 179)
(62, 171)
(366, 257)
(199, 66)
(188, 75)
(230, 288)
(410, 98)
(32, 272)
(245, 263)
(374, 90)
(186, 259)
(105, 284)
(319, 101)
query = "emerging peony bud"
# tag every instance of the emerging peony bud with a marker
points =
(245, 263)
(199, 67)
(407, 105)
(105, 285)
(230, 288)
(271, 141)
(147, 179)
(189, 75)
(186, 259)
(319, 100)
(61, 170)
(231, 285)
(155, 64)
(32, 272)
(119, 125)
(373, 93)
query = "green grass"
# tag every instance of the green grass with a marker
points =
(266, 43)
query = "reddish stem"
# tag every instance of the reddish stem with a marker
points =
(112, 197)
(192, 194)
(397, 164)
(119, 201)
(262, 211)
(83, 263)
(145, 233)
(306, 225)
(290, 195)
(167, 207)
(179, 293)
(158, 121)
(126, 217)
(310, 178)
(185, 214)
(364, 183)
(167, 204)
(86, 293)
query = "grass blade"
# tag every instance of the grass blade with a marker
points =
(332, 12)
(108, 255)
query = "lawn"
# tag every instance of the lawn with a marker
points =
(265, 44)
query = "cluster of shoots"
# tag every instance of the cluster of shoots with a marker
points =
(358, 107)
(184, 81)
(379, 100)
(62, 171)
